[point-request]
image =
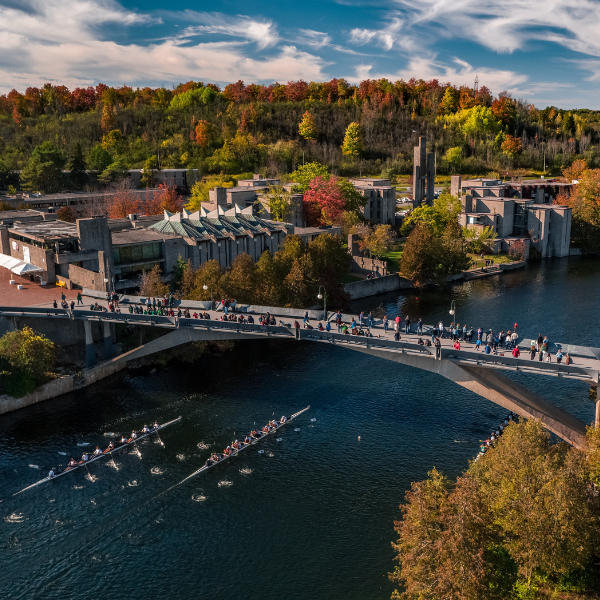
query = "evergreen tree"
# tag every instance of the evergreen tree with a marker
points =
(77, 165)
(44, 169)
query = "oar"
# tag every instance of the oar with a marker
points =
(86, 468)
(158, 435)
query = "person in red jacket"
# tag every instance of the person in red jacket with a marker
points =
(516, 352)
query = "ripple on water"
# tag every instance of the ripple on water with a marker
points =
(156, 471)
(203, 445)
(246, 471)
(225, 483)
(16, 518)
(199, 497)
(270, 454)
(132, 483)
(181, 457)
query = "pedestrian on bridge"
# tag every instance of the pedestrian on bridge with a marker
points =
(79, 299)
(385, 323)
(514, 337)
(407, 324)
(361, 317)
(438, 348)
(441, 330)
(338, 321)
(397, 323)
(420, 326)
(540, 341)
(370, 320)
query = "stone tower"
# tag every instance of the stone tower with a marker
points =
(423, 175)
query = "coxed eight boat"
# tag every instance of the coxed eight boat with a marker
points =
(94, 457)
(246, 445)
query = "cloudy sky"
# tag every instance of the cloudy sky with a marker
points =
(547, 51)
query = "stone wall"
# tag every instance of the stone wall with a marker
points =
(56, 387)
(379, 285)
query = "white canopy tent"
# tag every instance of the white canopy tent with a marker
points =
(18, 266)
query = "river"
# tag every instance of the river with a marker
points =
(311, 518)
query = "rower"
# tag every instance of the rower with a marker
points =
(72, 463)
(145, 429)
(255, 434)
(133, 436)
(156, 425)
(110, 447)
(208, 462)
(283, 419)
(247, 440)
(51, 474)
(85, 457)
(123, 440)
(97, 451)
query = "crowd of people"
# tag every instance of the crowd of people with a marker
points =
(495, 435)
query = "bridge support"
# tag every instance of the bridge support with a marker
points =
(108, 345)
(90, 352)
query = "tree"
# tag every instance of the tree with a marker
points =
(115, 172)
(307, 127)
(378, 240)
(511, 146)
(209, 274)
(121, 201)
(449, 103)
(150, 168)
(478, 237)
(279, 201)
(517, 250)
(77, 166)
(240, 281)
(165, 197)
(199, 191)
(352, 145)
(329, 253)
(304, 174)
(324, 201)
(445, 209)
(354, 200)
(152, 284)
(66, 213)
(204, 134)
(44, 169)
(269, 281)
(575, 171)
(27, 358)
(454, 158)
(99, 159)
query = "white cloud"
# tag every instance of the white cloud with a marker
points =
(507, 25)
(60, 43)
(385, 37)
(263, 32)
(318, 39)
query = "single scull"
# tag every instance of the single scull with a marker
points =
(94, 457)
(244, 445)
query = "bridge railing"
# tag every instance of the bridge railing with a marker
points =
(131, 318)
(34, 312)
(237, 327)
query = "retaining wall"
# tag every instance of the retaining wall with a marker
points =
(56, 387)
(379, 285)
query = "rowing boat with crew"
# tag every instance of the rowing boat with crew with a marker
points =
(253, 438)
(72, 466)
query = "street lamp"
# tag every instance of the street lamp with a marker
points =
(323, 296)
(205, 287)
(453, 310)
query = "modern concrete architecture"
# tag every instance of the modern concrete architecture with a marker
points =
(423, 175)
(381, 199)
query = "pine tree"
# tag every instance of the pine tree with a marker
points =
(307, 128)
(77, 165)
(352, 145)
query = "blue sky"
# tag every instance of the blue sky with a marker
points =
(545, 51)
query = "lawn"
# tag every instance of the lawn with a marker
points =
(349, 278)
(497, 258)
(393, 257)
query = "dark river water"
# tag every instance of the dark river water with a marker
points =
(311, 518)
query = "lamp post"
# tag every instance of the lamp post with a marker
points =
(323, 296)
(205, 287)
(453, 310)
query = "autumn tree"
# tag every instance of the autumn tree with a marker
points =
(200, 189)
(511, 146)
(279, 202)
(165, 197)
(239, 282)
(151, 167)
(324, 201)
(306, 173)
(378, 240)
(151, 283)
(209, 274)
(307, 127)
(66, 213)
(204, 134)
(352, 145)
(121, 200)
(454, 157)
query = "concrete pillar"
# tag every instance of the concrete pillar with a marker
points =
(108, 345)
(90, 353)
(430, 176)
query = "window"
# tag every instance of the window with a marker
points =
(137, 253)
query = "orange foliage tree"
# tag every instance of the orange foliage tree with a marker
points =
(121, 201)
(163, 198)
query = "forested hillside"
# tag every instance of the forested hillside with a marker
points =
(252, 127)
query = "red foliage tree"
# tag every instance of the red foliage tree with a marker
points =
(324, 201)
(165, 197)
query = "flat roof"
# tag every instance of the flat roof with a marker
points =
(13, 215)
(45, 230)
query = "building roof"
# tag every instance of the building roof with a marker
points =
(141, 221)
(138, 236)
(204, 225)
(24, 215)
(45, 230)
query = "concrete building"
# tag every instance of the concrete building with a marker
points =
(545, 227)
(423, 175)
(381, 199)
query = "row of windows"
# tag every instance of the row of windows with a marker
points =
(131, 254)
(133, 271)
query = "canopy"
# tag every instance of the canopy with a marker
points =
(18, 266)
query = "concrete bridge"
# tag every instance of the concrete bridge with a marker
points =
(475, 371)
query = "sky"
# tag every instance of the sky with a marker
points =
(544, 51)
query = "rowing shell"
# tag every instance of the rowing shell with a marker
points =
(98, 457)
(262, 437)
